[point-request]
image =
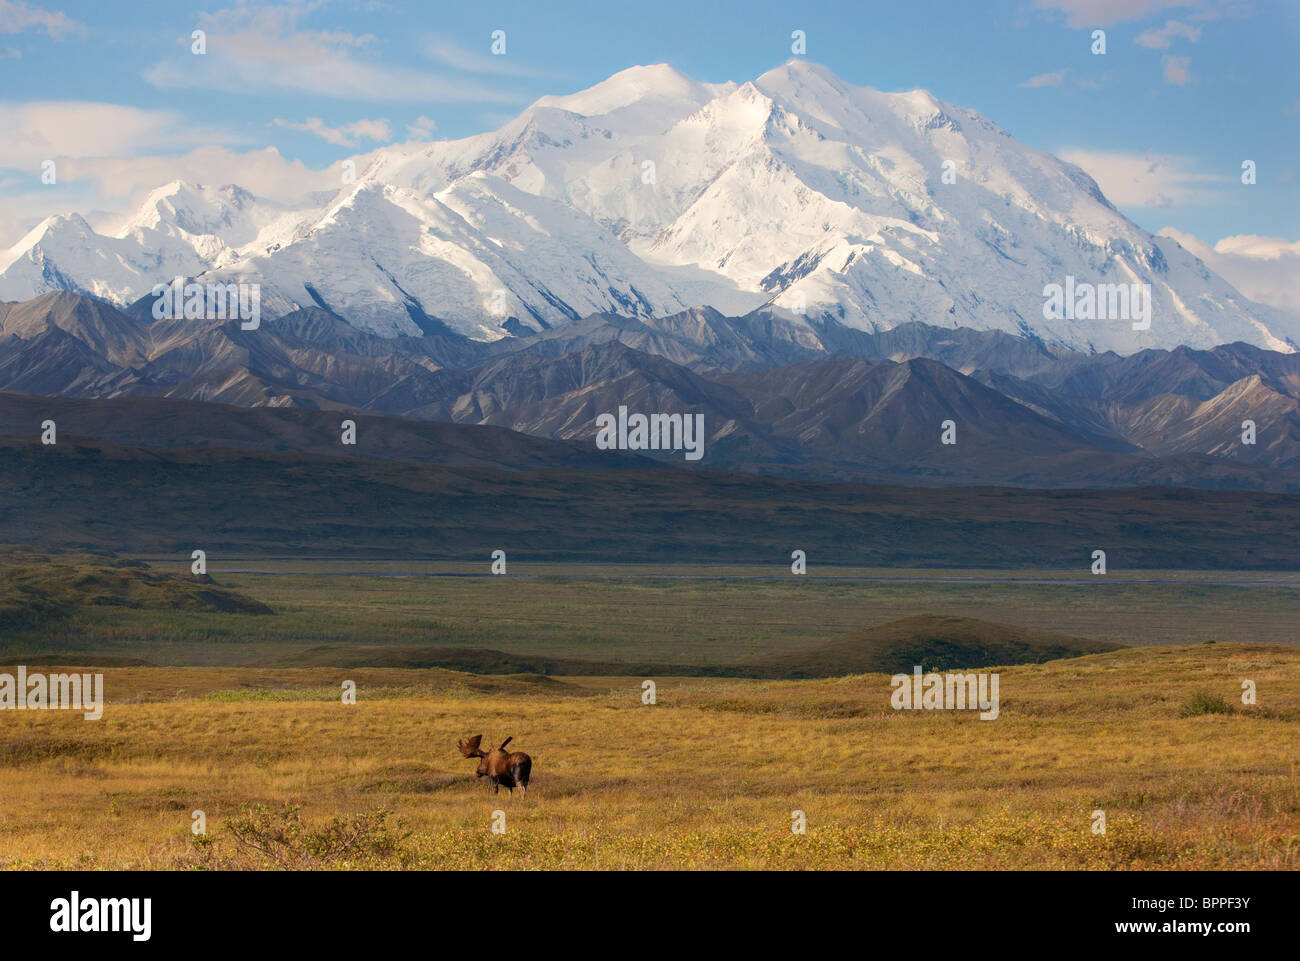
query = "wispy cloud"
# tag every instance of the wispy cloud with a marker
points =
(121, 183)
(1105, 13)
(264, 49)
(1224, 10)
(421, 128)
(1080, 14)
(1178, 70)
(265, 172)
(344, 135)
(1054, 79)
(36, 131)
(1145, 180)
(448, 54)
(1162, 39)
(108, 155)
(17, 17)
(1061, 77)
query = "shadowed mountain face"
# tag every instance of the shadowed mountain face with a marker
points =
(777, 396)
(84, 494)
(162, 423)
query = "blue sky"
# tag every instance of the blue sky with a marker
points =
(1184, 93)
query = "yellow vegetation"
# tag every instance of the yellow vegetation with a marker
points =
(706, 778)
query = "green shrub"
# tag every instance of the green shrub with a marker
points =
(1203, 702)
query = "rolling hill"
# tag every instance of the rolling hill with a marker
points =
(35, 590)
(936, 643)
(88, 494)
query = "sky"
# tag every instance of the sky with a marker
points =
(1184, 93)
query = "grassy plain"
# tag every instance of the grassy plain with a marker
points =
(708, 777)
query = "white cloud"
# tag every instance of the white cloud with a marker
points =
(264, 172)
(1265, 269)
(1224, 10)
(1104, 13)
(1150, 180)
(259, 50)
(452, 55)
(344, 135)
(17, 16)
(1060, 77)
(17, 216)
(421, 128)
(1178, 70)
(37, 131)
(1046, 79)
(121, 183)
(1162, 39)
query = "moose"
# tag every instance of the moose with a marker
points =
(496, 765)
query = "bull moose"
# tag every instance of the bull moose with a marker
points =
(511, 769)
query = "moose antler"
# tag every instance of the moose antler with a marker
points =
(470, 748)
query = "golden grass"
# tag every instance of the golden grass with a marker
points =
(706, 778)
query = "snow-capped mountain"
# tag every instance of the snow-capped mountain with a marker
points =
(650, 193)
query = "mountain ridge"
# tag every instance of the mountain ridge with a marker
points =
(830, 403)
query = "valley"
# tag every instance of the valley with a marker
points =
(305, 611)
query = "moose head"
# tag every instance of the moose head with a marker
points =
(511, 769)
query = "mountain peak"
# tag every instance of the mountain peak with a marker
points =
(658, 81)
(799, 67)
(797, 75)
(70, 222)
